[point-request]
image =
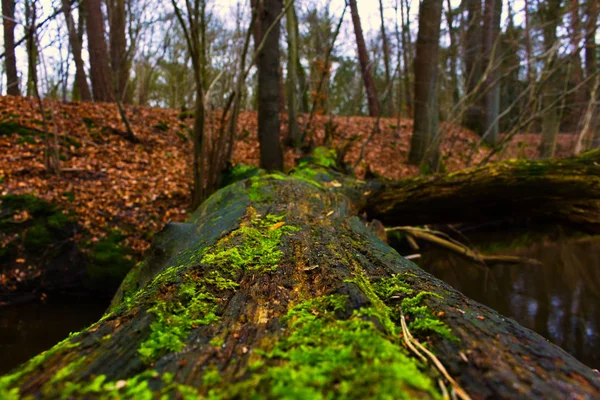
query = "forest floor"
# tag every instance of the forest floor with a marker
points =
(110, 183)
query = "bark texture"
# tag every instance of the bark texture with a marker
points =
(365, 63)
(10, 61)
(119, 60)
(80, 76)
(99, 66)
(491, 45)
(275, 288)
(473, 49)
(271, 154)
(424, 143)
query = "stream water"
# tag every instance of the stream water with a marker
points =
(559, 299)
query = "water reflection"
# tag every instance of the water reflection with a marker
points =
(559, 299)
(28, 329)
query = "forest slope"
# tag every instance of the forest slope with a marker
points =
(109, 182)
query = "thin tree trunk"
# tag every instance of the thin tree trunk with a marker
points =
(10, 60)
(406, 56)
(118, 47)
(99, 67)
(271, 154)
(83, 88)
(31, 45)
(530, 70)
(591, 66)
(550, 13)
(424, 145)
(577, 77)
(365, 63)
(491, 44)
(386, 61)
(473, 51)
(294, 137)
(453, 54)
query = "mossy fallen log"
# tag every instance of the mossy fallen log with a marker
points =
(275, 288)
(563, 190)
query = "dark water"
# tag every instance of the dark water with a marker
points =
(27, 330)
(559, 299)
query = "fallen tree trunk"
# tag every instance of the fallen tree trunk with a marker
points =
(275, 288)
(558, 190)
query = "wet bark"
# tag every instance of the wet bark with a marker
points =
(276, 287)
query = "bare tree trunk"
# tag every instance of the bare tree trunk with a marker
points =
(10, 61)
(365, 63)
(550, 14)
(118, 46)
(406, 56)
(453, 53)
(271, 154)
(424, 144)
(530, 71)
(491, 44)
(294, 137)
(591, 66)
(31, 46)
(80, 76)
(99, 67)
(473, 114)
(387, 62)
(577, 77)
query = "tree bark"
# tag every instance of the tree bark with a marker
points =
(365, 63)
(10, 61)
(294, 136)
(271, 154)
(119, 61)
(550, 13)
(31, 46)
(592, 10)
(274, 287)
(387, 62)
(406, 56)
(424, 144)
(453, 53)
(491, 99)
(473, 50)
(80, 76)
(99, 67)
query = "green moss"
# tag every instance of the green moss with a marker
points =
(145, 386)
(257, 245)
(162, 126)
(422, 318)
(37, 237)
(109, 261)
(8, 381)
(321, 157)
(239, 172)
(211, 377)
(192, 306)
(323, 357)
(10, 128)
